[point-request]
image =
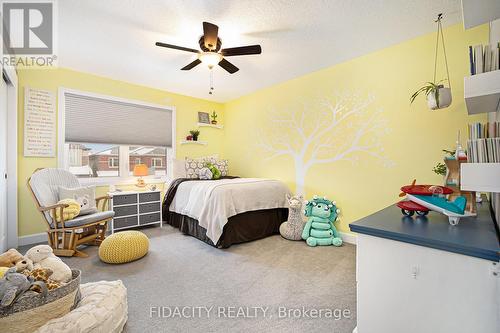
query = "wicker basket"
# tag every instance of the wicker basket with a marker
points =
(30, 311)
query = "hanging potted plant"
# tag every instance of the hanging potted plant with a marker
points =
(438, 96)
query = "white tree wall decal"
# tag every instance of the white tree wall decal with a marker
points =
(341, 127)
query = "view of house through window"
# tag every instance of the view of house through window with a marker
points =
(87, 160)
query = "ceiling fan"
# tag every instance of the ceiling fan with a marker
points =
(211, 52)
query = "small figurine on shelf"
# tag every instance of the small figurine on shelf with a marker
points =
(214, 118)
(194, 134)
(189, 138)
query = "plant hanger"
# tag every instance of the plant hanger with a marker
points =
(440, 34)
(438, 97)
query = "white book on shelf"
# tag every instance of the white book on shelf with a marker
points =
(487, 58)
(494, 59)
(478, 58)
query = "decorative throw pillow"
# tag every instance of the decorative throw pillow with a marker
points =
(222, 165)
(193, 167)
(85, 196)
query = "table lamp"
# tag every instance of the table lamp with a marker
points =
(140, 170)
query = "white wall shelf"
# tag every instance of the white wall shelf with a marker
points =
(480, 177)
(210, 125)
(482, 92)
(192, 142)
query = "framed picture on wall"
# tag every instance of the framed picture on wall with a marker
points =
(203, 117)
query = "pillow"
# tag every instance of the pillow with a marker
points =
(222, 165)
(193, 167)
(178, 168)
(85, 196)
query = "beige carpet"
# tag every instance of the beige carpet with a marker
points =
(250, 287)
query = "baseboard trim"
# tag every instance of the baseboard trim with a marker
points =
(348, 237)
(32, 239)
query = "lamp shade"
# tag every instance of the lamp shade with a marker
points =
(141, 170)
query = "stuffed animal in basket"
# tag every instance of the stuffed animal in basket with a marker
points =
(43, 257)
(319, 229)
(10, 258)
(42, 275)
(292, 229)
(14, 284)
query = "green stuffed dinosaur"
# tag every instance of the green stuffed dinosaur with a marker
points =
(319, 229)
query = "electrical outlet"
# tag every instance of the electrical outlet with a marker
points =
(415, 271)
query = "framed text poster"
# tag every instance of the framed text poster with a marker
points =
(39, 123)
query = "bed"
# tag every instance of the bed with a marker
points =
(226, 211)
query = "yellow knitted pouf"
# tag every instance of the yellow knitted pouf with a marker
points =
(124, 246)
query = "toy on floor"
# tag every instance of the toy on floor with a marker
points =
(14, 284)
(43, 257)
(292, 229)
(319, 229)
(422, 198)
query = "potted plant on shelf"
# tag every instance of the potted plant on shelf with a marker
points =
(194, 134)
(214, 118)
(438, 96)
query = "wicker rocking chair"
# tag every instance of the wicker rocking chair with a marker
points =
(65, 236)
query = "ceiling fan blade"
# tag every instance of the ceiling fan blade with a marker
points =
(228, 66)
(191, 65)
(241, 50)
(210, 32)
(170, 46)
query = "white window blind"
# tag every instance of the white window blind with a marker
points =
(99, 120)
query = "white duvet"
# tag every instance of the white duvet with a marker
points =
(212, 202)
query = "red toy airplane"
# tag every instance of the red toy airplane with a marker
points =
(409, 207)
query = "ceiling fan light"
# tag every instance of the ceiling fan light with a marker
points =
(210, 58)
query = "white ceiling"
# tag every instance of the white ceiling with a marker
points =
(115, 38)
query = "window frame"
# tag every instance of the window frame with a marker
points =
(155, 159)
(111, 164)
(123, 156)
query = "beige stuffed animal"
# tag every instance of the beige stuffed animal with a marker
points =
(43, 257)
(10, 258)
(25, 264)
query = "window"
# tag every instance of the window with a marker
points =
(113, 162)
(156, 162)
(89, 160)
(105, 137)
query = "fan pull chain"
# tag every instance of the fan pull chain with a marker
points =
(211, 81)
(440, 34)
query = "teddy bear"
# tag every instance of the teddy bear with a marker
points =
(42, 275)
(43, 257)
(23, 265)
(10, 258)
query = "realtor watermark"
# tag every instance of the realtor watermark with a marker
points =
(29, 33)
(248, 312)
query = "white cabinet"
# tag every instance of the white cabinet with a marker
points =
(408, 288)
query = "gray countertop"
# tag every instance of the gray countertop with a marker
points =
(473, 236)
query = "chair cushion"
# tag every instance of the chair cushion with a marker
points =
(124, 246)
(45, 185)
(86, 219)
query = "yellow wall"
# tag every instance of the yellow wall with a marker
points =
(30, 221)
(411, 146)
(415, 135)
